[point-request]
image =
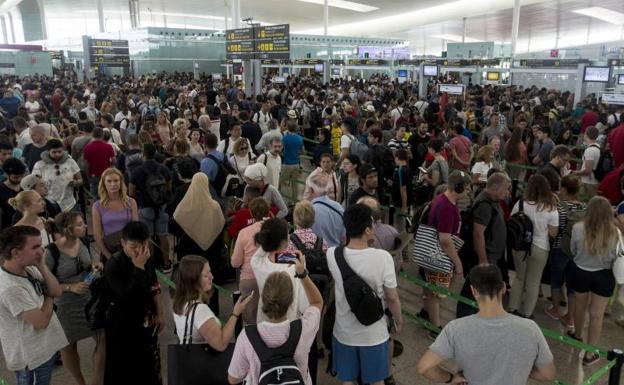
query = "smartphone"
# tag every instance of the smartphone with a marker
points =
(285, 258)
(249, 295)
(89, 278)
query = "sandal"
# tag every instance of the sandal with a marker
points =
(590, 359)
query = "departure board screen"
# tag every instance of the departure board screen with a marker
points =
(260, 42)
(113, 53)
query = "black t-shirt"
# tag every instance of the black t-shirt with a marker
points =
(139, 177)
(402, 177)
(32, 154)
(357, 194)
(488, 213)
(7, 210)
(418, 145)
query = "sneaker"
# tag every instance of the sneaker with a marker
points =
(550, 312)
(423, 314)
(568, 324)
(398, 348)
(166, 268)
(590, 359)
(572, 334)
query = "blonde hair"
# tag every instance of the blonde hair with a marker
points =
(23, 200)
(103, 193)
(600, 233)
(484, 152)
(303, 215)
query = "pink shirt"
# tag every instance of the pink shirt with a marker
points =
(244, 248)
(461, 144)
(245, 362)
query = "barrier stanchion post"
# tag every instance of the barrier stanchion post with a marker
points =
(239, 322)
(616, 371)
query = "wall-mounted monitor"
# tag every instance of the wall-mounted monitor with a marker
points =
(492, 76)
(318, 68)
(336, 71)
(402, 73)
(598, 74)
(279, 79)
(620, 79)
(430, 70)
(451, 89)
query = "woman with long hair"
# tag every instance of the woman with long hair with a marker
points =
(31, 205)
(241, 157)
(540, 205)
(482, 165)
(112, 212)
(196, 148)
(69, 259)
(349, 180)
(515, 154)
(164, 128)
(193, 291)
(594, 245)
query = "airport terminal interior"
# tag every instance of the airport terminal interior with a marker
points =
(318, 192)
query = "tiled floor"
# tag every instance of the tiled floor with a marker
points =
(414, 339)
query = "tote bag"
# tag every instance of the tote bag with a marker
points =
(429, 254)
(618, 265)
(197, 364)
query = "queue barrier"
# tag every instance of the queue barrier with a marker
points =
(615, 356)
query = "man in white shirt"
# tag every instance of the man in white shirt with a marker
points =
(205, 124)
(273, 161)
(265, 141)
(30, 332)
(22, 131)
(226, 146)
(90, 110)
(591, 155)
(60, 172)
(263, 117)
(326, 168)
(396, 112)
(358, 349)
(123, 114)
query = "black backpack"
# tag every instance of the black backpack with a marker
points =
(277, 365)
(315, 258)
(467, 253)
(156, 188)
(362, 299)
(520, 230)
(227, 183)
(605, 164)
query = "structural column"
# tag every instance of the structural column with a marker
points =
(464, 30)
(44, 25)
(515, 25)
(326, 67)
(11, 28)
(100, 11)
(5, 37)
(235, 13)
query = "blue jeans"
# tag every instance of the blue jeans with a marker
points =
(559, 269)
(40, 375)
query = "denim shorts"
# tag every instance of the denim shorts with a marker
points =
(560, 269)
(369, 361)
(146, 215)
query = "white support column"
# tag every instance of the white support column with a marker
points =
(326, 68)
(225, 15)
(5, 36)
(44, 26)
(100, 12)
(464, 30)
(515, 25)
(11, 28)
(235, 13)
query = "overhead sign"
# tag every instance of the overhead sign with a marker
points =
(7, 68)
(613, 98)
(307, 61)
(535, 63)
(451, 89)
(366, 62)
(112, 53)
(262, 42)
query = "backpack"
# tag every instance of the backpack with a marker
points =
(316, 260)
(573, 216)
(227, 182)
(156, 188)
(520, 230)
(277, 365)
(467, 254)
(387, 164)
(132, 162)
(362, 299)
(117, 124)
(605, 163)
(357, 148)
(316, 116)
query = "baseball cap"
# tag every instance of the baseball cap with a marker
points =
(256, 171)
(366, 169)
(370, 108)
(29, 182)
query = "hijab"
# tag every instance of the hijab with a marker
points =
(198, 214)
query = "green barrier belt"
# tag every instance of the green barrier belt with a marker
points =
(521, 166)
(599, 373)
(310, 140)
(167, 281)
(547, 332)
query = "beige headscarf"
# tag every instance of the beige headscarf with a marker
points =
(198, 214)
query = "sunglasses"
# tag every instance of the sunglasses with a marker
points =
(58, 169)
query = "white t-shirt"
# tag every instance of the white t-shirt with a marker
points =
(230, 148)
(22, 345)
(482, 169)
(376, 268)
(345, 141)
(541, 220)
(273, 164)
(58, 181)
(120, 116)
(591, 153)
(202, 315)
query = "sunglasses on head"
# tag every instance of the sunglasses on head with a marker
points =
(58, 169)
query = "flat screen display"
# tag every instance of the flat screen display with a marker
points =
(402, 73)
(620, 79)
(596, 74)
(430, 70)
(318, 68)
(336, 71)
(493, 76)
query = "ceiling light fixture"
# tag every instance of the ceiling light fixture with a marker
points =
(350, 5)
(456, 38)
(607, 15)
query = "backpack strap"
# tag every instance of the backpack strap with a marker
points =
(188, 328)
(298, 243)
(326, 205)
(265, 353)
(318, 245)
(345, 270)
(521, 206)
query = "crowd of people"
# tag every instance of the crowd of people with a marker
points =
(305, 196)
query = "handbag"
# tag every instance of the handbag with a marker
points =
(197, 364)
(618, 265)
(428, 252)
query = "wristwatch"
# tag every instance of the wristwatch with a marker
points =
(302, 275)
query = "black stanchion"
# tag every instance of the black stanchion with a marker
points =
(239, 322)
(616, 371)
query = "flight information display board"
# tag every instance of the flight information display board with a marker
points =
(113, 53)
(262, 42)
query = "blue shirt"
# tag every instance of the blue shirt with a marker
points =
(292, 147)
(467, 133)
(328, 221)
(211, 169)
